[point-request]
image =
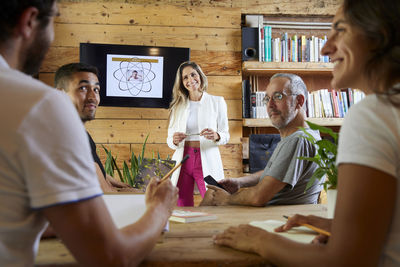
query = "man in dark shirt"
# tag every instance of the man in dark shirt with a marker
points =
(80, 81)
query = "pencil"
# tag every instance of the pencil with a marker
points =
(173, 169)
(316, 229)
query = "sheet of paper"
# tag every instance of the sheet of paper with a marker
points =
(125, 208)
(300, 234)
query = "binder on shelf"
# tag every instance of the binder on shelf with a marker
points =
(246, 90)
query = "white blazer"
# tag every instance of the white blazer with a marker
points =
(212, 114)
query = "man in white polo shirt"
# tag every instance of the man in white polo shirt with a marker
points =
(46, 168)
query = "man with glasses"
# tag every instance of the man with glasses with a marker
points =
(284, 179)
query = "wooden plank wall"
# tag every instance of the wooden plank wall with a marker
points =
(210, 28)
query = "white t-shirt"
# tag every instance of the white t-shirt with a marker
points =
(45, 160)
(192, 125)
(370, 136)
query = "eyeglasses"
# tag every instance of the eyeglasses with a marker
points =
(276, 97)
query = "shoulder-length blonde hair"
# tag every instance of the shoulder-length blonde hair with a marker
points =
(179, 93)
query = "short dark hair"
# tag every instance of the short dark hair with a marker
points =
(379, 21)
(65, 72)
(11, 10)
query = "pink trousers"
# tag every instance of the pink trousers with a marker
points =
(191, 172)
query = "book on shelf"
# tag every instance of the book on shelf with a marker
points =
(290, 48)
(252, 100)
(188, 216)
(253, 105)
(330, 103)
(299, 234)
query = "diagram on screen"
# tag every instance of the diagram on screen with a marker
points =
(134, 76)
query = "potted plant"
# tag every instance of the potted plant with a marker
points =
(325, 158)
(140, 170)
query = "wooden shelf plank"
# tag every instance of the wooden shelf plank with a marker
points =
(269, 68)
(267, 122)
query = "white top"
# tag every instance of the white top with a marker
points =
(45, 160)
(192, 125)
(212, 113)
(370, 136)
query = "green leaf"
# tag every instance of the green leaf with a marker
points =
(318, 174)
(325, 156)
(143, 148)
(324, 130)
(308, 136)
(327, 145)
(127, 174)
(117, 168)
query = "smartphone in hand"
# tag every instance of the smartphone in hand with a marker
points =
(210, 180)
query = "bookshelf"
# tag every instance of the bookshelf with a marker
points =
(315, 72)
(316, 75)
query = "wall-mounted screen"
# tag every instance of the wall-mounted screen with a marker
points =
(134, 76)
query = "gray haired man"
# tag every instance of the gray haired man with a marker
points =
(284, 179)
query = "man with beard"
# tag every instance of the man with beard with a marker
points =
(284, 179)
(46, 170)
(80, 82)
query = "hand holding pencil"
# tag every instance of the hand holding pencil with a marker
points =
(173, 169)
(318, 224)
(316, 229)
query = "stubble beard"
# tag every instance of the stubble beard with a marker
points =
(36, 53)
(88, 117)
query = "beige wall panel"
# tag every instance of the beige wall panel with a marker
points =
(58, 56)
(183, 3)
(231, 155)
(234, 109)
(121, 151)
(234, 112)
(135, 131)
(279, 7)
(227, 63)
(149, 14)
(47, 78)
(195, 38)
(294, 7)
(234, 173)
(230, 87)
(131, 113)
(127, 131)
(218, 62)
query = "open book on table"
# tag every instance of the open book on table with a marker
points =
(187, 216)
(300, 234)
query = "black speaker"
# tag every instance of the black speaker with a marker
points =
(249, 43)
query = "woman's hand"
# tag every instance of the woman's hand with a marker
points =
(210, 134)
(178, 137)
(298, 220)
(243, 237)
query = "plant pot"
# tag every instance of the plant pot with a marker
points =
(332, 193)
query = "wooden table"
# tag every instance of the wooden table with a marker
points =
(191, 244)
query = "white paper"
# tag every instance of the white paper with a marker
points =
(299, 234)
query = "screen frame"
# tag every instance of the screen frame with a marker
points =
(96, 55)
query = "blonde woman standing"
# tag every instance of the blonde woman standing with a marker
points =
(198, 123)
